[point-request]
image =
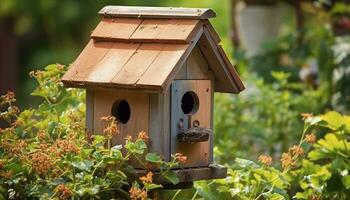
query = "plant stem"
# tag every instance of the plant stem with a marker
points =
(175, 195)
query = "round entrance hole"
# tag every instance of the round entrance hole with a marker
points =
(121, 111)
(189, 103)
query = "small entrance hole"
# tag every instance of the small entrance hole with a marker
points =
(189, 103)
(121, 111)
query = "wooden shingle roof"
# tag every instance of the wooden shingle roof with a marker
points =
(137, 48)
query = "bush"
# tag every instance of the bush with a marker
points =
(309, 169)
(263, 119)
(46, 154)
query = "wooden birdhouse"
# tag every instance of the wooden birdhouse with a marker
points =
(156, 70)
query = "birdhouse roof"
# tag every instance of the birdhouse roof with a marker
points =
(144, 48)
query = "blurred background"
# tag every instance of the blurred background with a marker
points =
(293, 57)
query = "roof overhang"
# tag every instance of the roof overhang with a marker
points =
(147, 54)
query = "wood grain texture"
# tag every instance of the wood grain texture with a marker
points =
(165, 30)
(223, 78)
(198, 154)
(92, 54)
(160, 69)
(116, 28)
(139, 118)
(215, 36)
(90, 111)
(231, 69)
(157, 12)
(138, 64)
(197, 67)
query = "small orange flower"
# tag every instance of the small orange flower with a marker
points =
(306, 115)
(136, 193)
(148, 178)
(143, 136)
(287, 160)
(296, 150)
(310, 138)
(111, 128)
(181, 158)
(128, 137)
(266, 160)
(41, 163)
(64, 191)
(41, 134)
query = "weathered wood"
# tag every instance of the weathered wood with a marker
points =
(157, 12)
(138, 64)
(197, 153)
(151, 67)
(88, 58)
(90, 111)
(197, 67)
(139, 117)
(183, 60)
(187, 174)
(165, 30)
(223, 79)
(112, 62)
(192, 135)
(159, 138)
(231, 69)
(116, 28)
(160, 69)
(215, 36)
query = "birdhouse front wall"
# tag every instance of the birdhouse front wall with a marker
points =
(131, 108)
(194, 76)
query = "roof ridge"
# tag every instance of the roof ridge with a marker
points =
(157, 12)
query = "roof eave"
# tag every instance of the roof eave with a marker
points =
(157, 12)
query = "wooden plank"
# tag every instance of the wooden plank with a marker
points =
(105, 70)
(215, 36)
(115, 28)
(198, 154)
(90, 111)
(165, 30)
(88, 58)
(166, 97)
(138, 64)
(231, 69)
(223, 79)
(157, 12)
(187, 174)
(155, 128)
(197, 67)
(162, 66)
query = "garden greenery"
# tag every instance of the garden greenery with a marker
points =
(45, 153)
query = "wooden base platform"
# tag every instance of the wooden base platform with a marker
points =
(188, 175)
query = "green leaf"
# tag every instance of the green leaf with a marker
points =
(334, 120)
(84, 165)
(172, 177)
(346, 181)
(152, 186)
(14, 167)
(153, 157)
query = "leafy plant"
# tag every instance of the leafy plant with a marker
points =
(46, 154)
(264, 118)
(311, 169)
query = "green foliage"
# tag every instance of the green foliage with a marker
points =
(46, 154)
(323, 173)
(263, 118)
